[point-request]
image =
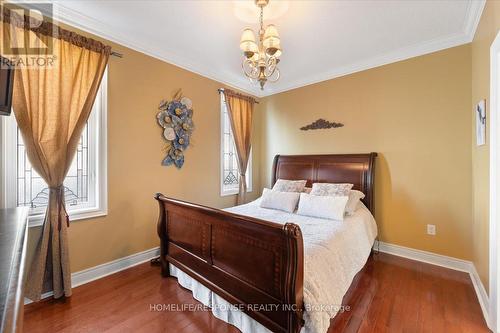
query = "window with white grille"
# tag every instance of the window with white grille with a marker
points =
(229, 165)
(85, 185)
(33, 192)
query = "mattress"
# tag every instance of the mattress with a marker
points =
(334, 252)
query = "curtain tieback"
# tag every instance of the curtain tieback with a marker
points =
(58, 192)
(57, 188)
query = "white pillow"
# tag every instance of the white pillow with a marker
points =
(326, 207)
(286, 201)
(352, 204)
(331, 189)
(284, 185)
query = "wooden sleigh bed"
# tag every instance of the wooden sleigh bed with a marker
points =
(251, 262)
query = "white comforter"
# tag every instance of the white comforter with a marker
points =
(334, 251)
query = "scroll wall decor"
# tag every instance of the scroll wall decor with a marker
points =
(321, 124)
(176, 119)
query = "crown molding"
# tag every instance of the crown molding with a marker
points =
(83, 22)
(388, 58)
(63, 14)
(472, 18)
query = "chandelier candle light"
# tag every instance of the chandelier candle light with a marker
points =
(261, 60)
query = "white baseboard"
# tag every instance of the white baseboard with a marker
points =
(482, 296)
(443, 261)
(424, 256)
(100, 271)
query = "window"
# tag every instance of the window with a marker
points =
(85, 185)
(229, 164)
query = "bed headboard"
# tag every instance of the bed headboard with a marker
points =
(357, 169)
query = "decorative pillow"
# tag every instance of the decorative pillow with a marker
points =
(352, 204)
(324, 207)
(331, 190)
(307, 190)
(283, 185)
(286, 201)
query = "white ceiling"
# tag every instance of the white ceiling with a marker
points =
(320, 39)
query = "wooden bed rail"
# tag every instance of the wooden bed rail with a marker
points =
(254, 264)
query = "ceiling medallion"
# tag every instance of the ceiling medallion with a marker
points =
(260, 62)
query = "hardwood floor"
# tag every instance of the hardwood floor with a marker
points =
(394, 294)
(390, 294)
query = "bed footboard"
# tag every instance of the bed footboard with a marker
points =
(254, 264)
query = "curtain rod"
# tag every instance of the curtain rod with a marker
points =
(43, 27)
(221, 90)
(50, 29)
(116, 54)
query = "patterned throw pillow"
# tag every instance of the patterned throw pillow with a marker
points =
(331, 190)
(284, 185)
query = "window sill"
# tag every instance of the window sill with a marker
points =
(234, 192)
(76, 215)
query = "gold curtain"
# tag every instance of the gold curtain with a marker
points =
(240, 110)
(52, 104)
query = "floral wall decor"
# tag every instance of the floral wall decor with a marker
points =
(321, 124)
(176, 119)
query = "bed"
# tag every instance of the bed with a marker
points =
(257, 263)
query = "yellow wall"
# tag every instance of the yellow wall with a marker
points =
(136, 84)
(416, 114)
(485, 34)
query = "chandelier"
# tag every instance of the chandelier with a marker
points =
(260, 62)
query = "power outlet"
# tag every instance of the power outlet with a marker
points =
(431, 229)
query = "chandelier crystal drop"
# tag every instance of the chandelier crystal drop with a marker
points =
(261, 58)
